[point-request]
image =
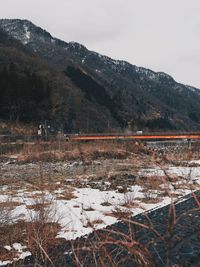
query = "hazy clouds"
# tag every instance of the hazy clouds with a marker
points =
(161, 35)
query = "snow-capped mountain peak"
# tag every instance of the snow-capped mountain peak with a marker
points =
(24, 30)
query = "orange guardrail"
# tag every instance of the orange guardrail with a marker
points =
(135, 136)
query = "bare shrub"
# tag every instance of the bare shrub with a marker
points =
(106, 200)
(150, 196)
(121, 213)
(42, 228)
(129, 200)
(11, 230)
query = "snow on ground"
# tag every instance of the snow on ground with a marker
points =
(21, 253)
(27, 35)
(88, 205)
(189, 173)
(195, 161)
(3, 263)
(90, 209)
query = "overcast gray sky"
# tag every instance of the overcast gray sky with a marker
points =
(163, 35)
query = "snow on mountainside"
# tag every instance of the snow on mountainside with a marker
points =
(26, 32)
(131, 95)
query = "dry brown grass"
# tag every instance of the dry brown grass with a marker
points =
(10, 204)
(129, 201)
(68, 194)
(37, 206)
(93, 223)
(88, 208)
(151, 200)
(185, 154)
(38, 234)
(9, 234)
(18, 128)
(151, 182)
(120, 213)
(41, 231)
(38, 237)
(41, 236)
(61, 151)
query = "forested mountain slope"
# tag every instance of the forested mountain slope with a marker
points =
(44, 78)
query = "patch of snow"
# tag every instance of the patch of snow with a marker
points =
(88, 207)
(27, 35)
(194, 161)
(76, 214)
(148, 73)
(3, 263)
(191, 88)
(21, 254)
(100, 56)
(76, 45)
(192, 173)
(98, 71)
(8, 248)
(18, 247)
(83, 60)
(53, 40)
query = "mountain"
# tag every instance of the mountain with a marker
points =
(44, 78)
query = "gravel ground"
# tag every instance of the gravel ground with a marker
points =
(179, 244)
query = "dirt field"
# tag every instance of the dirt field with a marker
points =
(71, 189)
